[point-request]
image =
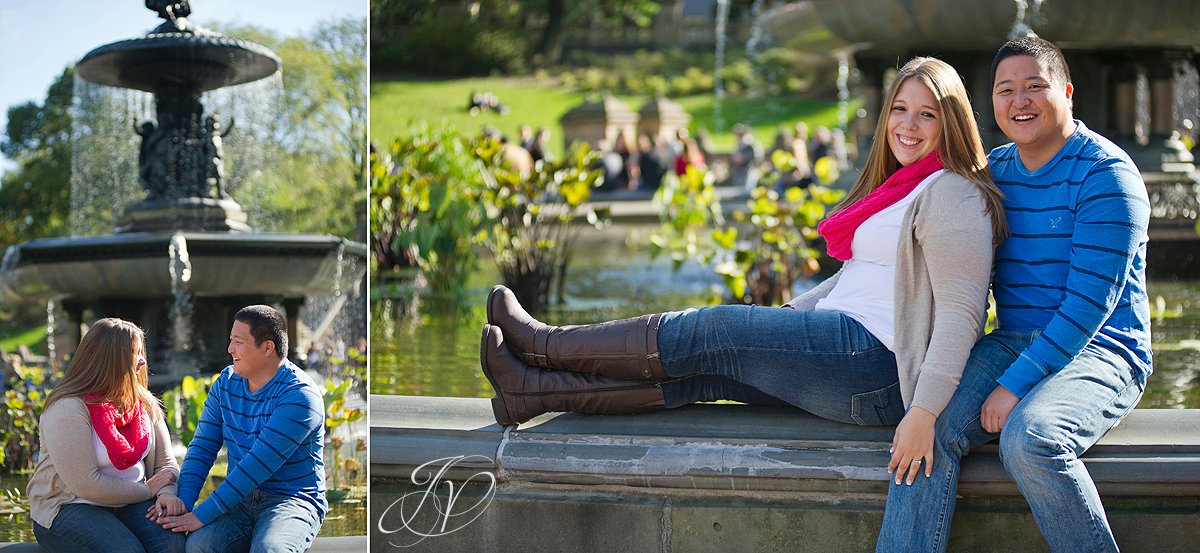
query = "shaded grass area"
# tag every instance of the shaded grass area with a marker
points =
(397, 102)
(13, 336)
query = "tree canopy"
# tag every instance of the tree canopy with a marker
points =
(36, 196)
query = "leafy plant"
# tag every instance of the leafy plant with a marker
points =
(23, 402)
(342, 473)
(769, 248)
(531, 216)
(422, 213)
(184, 403)
(688, 208)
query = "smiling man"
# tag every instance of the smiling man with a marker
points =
(1071, 352)
(270, 417)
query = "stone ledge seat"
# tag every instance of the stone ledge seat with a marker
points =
(718, 478)
(738, 447)
(338, 544)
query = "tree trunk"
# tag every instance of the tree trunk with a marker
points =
(552, 37)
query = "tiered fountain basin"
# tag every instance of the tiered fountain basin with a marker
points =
(202, 60)
(138, 265)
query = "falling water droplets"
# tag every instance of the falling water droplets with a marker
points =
(718, 83)
(51, 333)
(180, 267)
(843, 87)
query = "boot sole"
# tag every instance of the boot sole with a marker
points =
(491, 295)
(498, 409)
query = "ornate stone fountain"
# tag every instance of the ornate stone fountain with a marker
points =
(183, 259)
(1130, 65)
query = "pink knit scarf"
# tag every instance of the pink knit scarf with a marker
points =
(838, 229)
(126, 437)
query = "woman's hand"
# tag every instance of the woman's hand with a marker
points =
(913, 442)
(166, 505)
(159, 480)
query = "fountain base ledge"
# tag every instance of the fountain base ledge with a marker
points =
(136, 265)
(334, 544)
(734, 477)
(200, 214)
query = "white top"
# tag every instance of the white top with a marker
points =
(866, 290)
(136, 473)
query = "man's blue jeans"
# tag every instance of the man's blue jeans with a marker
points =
(821, 361)
(263, 522)
(83, 528)
(1040, 445)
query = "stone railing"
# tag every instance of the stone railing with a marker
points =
(730, 477)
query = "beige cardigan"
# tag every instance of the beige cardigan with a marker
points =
(943, 270)
(67, 469)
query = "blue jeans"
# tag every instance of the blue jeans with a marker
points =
(1040, 445)
(83, 528)
(821, 361)
(263, 522)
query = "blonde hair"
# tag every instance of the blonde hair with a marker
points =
(104, 364)
(960, 147)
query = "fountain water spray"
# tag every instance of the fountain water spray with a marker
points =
(51, 332)
(755, 44)
(180, 268)
(843, 88)
(718, 84)
(1026, 18)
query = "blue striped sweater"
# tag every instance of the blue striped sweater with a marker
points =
(1074, 266)
(273, 438)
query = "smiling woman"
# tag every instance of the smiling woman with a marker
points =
(913, 124)
(106, 452)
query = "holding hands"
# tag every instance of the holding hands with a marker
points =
(187, 522)
(163, 478)
(168, 510)
(166, 505)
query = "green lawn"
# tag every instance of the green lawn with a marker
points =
(12, 336)
(396, 103)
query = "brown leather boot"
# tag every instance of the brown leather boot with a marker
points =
(524, 392)
(625, 349)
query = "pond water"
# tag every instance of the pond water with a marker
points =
(425, 347)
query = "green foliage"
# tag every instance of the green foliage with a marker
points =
(353, 368)
(422, 211)
(761, 256)
(531, 217)
(35, 198)
(457, 46)
(23, 402)
(336, 411)
(478, 38)
(342, 472)
(688, 208)
(184, 403)
(317, 178)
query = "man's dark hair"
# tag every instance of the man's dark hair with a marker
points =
(265, 324)
(1037, 47)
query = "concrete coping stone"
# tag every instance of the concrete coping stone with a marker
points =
(736, 447)
(334, 544)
